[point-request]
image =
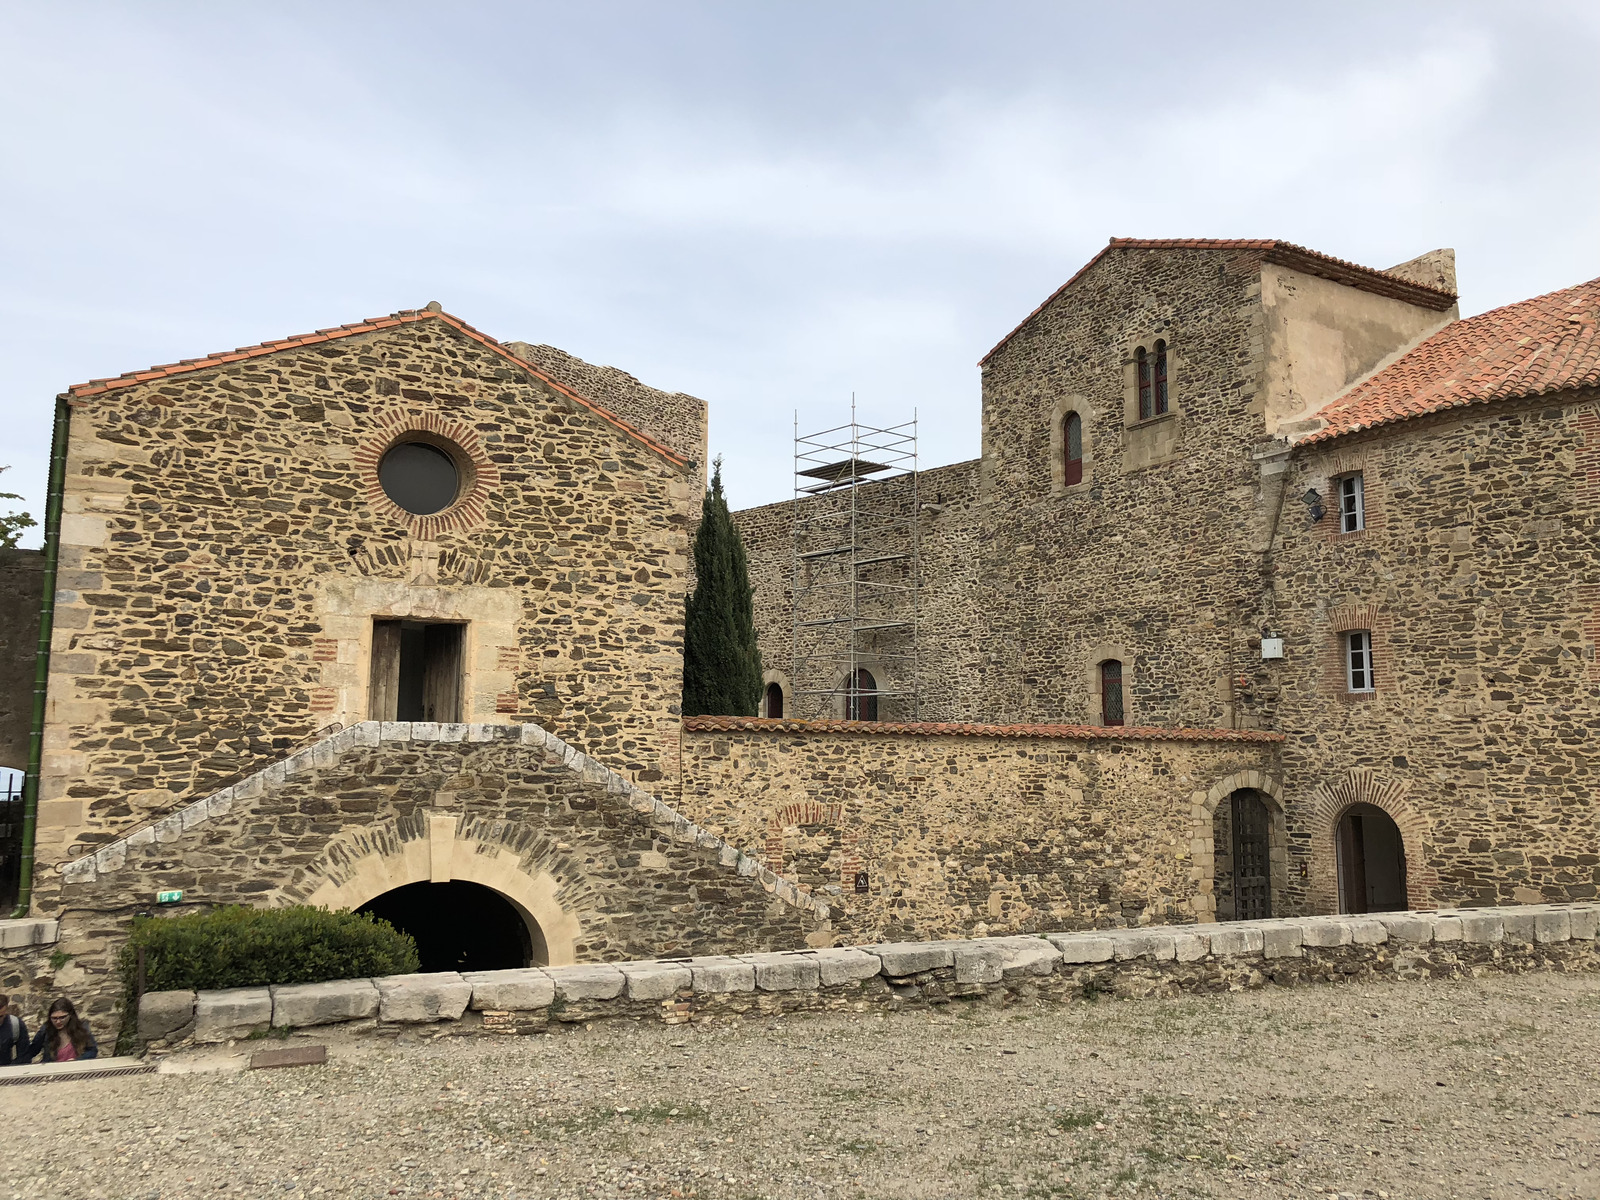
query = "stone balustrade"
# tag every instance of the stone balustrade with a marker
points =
(1052, 967)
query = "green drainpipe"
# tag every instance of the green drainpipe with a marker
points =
(41, 658)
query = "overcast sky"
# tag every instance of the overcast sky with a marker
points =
(767, 205)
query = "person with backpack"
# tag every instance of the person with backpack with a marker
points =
(13, 1035)
(63, 1037)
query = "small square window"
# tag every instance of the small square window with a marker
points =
(1352, 504)
(1358, 661)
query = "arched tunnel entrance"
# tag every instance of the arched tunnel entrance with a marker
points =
(461, 926)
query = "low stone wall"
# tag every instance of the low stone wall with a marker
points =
(1050, 967)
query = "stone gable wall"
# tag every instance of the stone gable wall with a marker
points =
(975, 834)
(1479, 585)
(1153, 559)
(225, 546)
(21, 593)
(676, 419)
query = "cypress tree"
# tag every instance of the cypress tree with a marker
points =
(721, 662)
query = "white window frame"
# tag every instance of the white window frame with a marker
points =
(1352, 503)
(1358, 662)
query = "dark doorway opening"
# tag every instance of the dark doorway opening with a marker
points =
(1252, 857)
(461, 926)
(861, 696)
(416, 671)
(1372, 862)
(774, 700)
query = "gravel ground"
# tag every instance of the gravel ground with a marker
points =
(1484, 1088)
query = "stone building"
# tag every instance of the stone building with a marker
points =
(389, 615)
(1273, 591)
(1241, 485)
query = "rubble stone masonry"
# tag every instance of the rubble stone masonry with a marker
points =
(226, 546)
(1187, 542)
(1479, 584)
(597, 866)
(979, 831)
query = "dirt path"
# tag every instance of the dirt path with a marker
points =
(1405, 1090)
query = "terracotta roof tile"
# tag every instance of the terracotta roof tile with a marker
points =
(1076, 733)
(1546, 344)
(1312, 262)
(82, 392)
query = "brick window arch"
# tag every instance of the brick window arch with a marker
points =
(1072, 448)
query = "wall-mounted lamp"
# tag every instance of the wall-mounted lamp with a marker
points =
(1313, 502)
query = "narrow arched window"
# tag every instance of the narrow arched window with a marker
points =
(861, 697)
(1141, 362)
(1111, 707)
(774, 701)
(1160, 399)
(1072, 439)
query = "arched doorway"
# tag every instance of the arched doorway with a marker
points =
(1242, 852)
(1372, 861)
(861, 696)
(462, 926)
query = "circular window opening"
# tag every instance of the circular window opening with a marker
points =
(420, 478)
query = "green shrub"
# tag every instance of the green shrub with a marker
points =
(250, 947)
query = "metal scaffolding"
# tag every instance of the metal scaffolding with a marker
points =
(856, 572)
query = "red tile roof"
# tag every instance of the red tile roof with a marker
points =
(1271, 250)
(99, 387)
(1075, 733)
(1547, 344)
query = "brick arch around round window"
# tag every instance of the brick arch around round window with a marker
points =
(1204, 871)
(460, 441)
(1334, 798)
(810, 812)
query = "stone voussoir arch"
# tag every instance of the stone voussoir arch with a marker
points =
(359, 866)
(1203, 873)
(1331, 800)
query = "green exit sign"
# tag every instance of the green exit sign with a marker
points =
(169, 897)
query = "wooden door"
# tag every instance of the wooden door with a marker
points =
(1252, 857)
(441, 678)
(383, 689)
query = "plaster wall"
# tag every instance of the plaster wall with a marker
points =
(1322, 336)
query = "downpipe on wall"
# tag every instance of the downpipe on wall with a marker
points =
(41, 658)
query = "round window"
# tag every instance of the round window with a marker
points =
(420, 478)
